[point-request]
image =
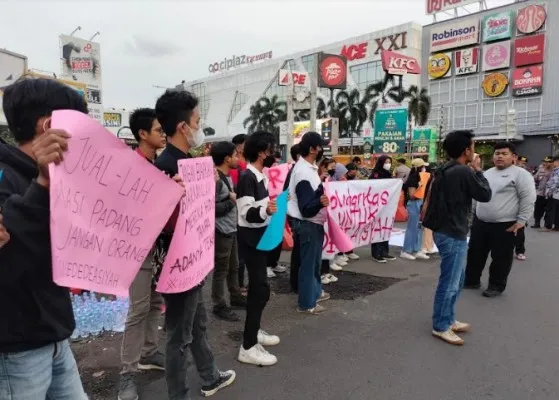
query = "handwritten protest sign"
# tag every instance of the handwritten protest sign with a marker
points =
(276, 178)
(108, 205)
(191, 253)
(273, 235)
(363, 209)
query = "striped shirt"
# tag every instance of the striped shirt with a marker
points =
(252, 200)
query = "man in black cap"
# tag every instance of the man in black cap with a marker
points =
(541, 177)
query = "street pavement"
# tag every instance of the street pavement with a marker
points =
(380, 346)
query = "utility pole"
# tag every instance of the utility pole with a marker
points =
(314, 88)
(290, 113)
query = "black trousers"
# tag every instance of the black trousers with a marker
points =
(520, 244)
(552, 214)
(258, 291)
(295, 262)
(274, 256)
(325, 267)
(379, 250)
(490, 238)
(242, 265)
(539, 210)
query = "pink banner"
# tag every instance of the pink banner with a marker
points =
(191, 254)
(108, 205)
(337, 236)
(276, 178)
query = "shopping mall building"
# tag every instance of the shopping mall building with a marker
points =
(227, 94)
(495, 72)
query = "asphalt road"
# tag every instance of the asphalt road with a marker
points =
(380, 347)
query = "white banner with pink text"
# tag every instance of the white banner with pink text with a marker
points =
(364, 211)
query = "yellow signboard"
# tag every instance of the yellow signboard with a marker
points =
(439, 65)
(495, 84)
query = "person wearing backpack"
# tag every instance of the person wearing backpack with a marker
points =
(448, 204)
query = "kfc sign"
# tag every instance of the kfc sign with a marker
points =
(527, 81)
(529, 50)
(437, 6)
(399, 64)
(332, 71)
(355, 51)
(286, 78)
(466, 61)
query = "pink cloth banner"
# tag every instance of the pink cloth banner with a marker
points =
(276, 178)
(107, 204)
(191, 255)
(338, 238)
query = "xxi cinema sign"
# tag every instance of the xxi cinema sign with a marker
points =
(358, 51)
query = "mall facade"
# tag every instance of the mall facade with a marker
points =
(495, 72)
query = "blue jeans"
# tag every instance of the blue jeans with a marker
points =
(46, 373)
(412, 240)
(310, 237)
(453, 266)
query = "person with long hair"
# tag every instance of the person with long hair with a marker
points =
(379, 251)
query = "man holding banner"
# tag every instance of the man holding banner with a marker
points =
(306, 206)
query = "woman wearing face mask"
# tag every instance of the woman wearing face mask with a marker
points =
(379, 251)
(327, 170)
(414, 188)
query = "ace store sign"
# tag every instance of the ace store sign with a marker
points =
(358, 51)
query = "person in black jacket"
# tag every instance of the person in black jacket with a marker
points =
(379, 250)
(37, 317)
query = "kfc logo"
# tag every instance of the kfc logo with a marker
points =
(466, 61)
(399, 64)
(332, 71)
(355, 51)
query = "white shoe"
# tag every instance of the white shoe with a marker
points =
(406, 256)
(325, 280)
(421, 256)
(352, 256)
(332, 278)
(280, 269)
(265, 339)
(270, 272)
(256, 355)
(344, 257)
(340, 261)
(335, 267)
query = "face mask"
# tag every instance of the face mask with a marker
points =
(331, 172)
(387, 166)
(197, 138)
(319, 155)
(269, 161)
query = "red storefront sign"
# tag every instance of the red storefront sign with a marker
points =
(529, 50)
(355, 51)
(530, 19)
(332, 71)
(286, 77)
(436, 6)
(527, 81)
(399, 64)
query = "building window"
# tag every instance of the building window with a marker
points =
(238, 102)
(493, 113)
(465, 116)
(365, 74)
(199, 89)
(440, 91)
(440, 117)
(466, 89)
(528, 111)
(308, 62)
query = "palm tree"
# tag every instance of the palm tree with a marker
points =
(352, 113)
(419, 105)
(305, 115)
(266, 114)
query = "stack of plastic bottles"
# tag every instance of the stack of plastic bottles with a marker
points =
(95, 314)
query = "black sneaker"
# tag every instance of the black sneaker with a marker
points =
(239, 302)
(472, 286)
(154, 362)
(225, 379)
(492, 293)
(127, 387)
(379, 260)
(536, 226)
(389, 257)
(226, 314)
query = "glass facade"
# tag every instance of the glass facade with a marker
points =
(238, 103)
(199, 89)
(365, 74)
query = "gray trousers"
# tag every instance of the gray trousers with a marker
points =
(186, 320)
(226, 269)
(142, 322)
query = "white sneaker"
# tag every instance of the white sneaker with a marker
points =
(344, 257)
(421, 256)
(325, 280)
(340, 261)
(335, 267)
(406, 256)
(265, 339)
(332, 278)
(270, 272)
(280, 269)
(352, 256)
(256, 355)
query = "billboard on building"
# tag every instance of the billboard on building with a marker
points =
(391, 125)
(497, 26)
(81, 62)
(12, 67)
(529, 50)
(332, 71)
(530, 19)
(439, 65)
(494, 85)
(466, 61)
(527, 81)
(496, 55)
(437, 6)
(455, 34)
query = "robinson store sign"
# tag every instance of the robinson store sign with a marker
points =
(238, 61)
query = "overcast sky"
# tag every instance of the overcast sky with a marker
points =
(146, 43)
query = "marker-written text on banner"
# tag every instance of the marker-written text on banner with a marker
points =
(363, 209)
(107, 207)
(191, 253)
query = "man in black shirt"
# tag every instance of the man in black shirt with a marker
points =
(185, 314)
(448, 205)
